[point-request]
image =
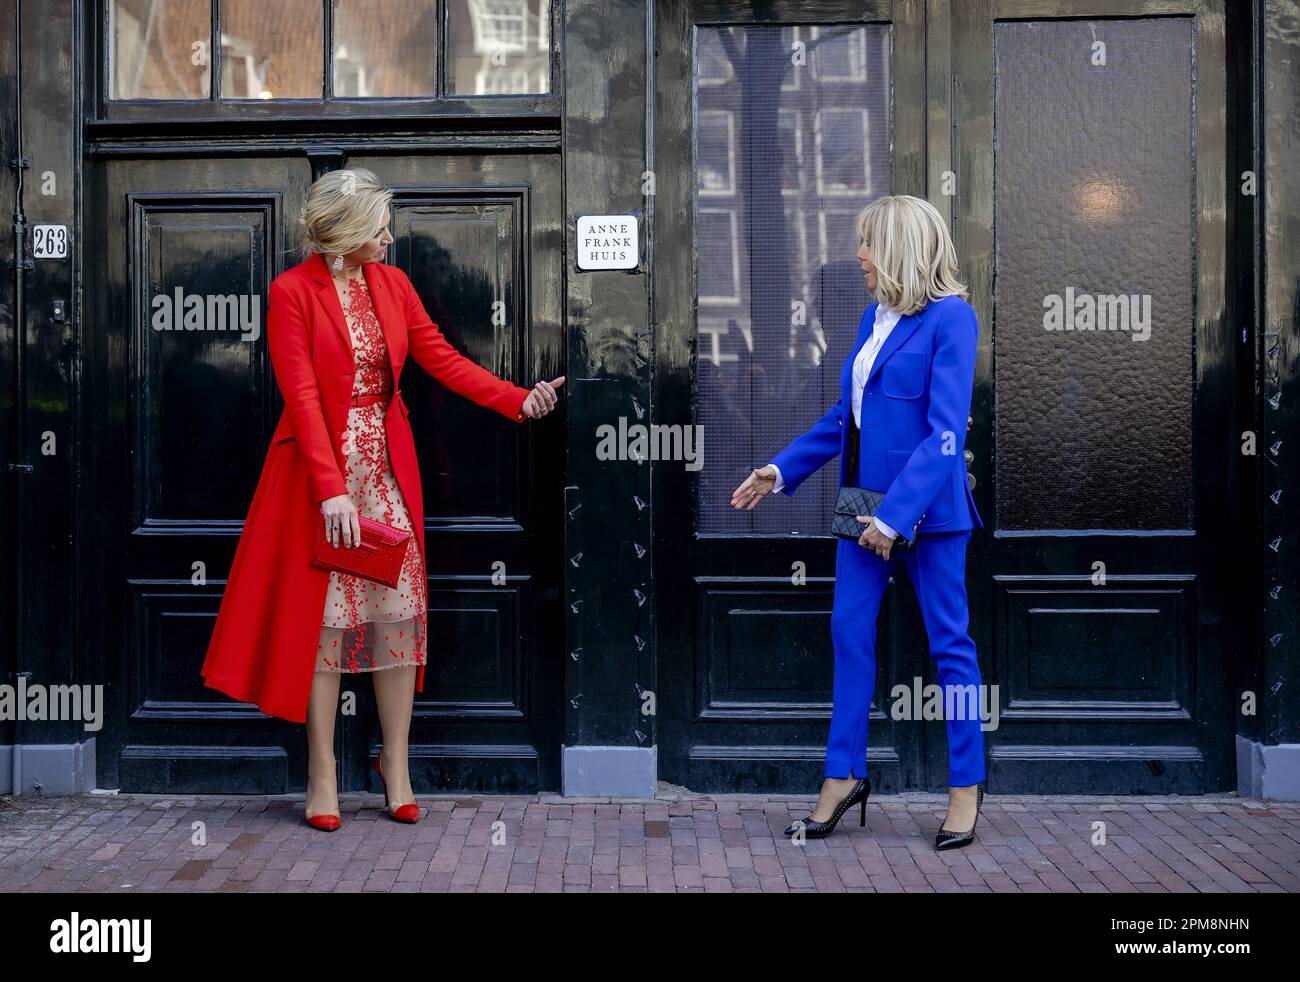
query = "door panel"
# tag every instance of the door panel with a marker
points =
(794, 126)
(187, 413)
(1098, 602)
(183, 409)
(481, 257)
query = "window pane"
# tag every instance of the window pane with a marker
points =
(498, 47)
(160, 49)
(787, 151)
(271, 50)
(385, 49)
(1094, 192)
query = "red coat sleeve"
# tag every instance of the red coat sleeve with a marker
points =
(435, 354)
(289, 338)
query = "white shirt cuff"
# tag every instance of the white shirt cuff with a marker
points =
(780, 481)
(888, 531)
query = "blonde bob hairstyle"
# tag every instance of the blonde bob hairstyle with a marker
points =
(344, 210)
(912, 251)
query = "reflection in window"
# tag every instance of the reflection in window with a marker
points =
(842, 167)
(713, 54)
(718, 257)
(160, 49)
(498, 47)
(839, 56)
(271, 50)
(385, 49)
(787, 151)
(715, 142)
(789, 125)
(836, 231)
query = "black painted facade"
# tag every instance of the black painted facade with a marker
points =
(598, 624)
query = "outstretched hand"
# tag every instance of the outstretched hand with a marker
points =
(753, 489)
(542, 399)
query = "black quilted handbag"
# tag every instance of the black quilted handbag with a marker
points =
(853, 501)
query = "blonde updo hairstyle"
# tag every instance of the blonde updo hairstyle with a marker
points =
(912, 251)
(344, 209)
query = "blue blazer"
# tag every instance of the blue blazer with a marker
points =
(915, 407)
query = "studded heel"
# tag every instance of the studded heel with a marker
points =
(956, 840)
(819, 830)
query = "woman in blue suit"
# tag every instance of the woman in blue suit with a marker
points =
(905, 397)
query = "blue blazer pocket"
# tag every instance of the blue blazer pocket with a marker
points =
(903, 375)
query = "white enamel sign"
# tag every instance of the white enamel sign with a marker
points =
(49, 242)
(608, 242)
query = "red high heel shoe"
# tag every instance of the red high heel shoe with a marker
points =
(410, 814)
(323, 823)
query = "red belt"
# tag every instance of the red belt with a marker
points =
(371, 400)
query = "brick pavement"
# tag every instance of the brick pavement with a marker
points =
(672, 843)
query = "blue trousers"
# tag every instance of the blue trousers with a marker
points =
(936, 565)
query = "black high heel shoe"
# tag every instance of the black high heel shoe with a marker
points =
(819, 830)
(955, 840)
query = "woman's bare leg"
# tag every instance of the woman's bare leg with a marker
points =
(961, 809)
(834, 790)
(395, 696)
(322, 781)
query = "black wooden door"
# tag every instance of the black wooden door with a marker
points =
(1098, 595)
(1105, 608)
(769, 136)
(177, 422)
(477, 234)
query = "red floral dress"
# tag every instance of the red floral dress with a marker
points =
(368, 626)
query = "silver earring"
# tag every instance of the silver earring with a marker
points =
(337, 264)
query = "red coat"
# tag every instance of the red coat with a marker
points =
(263, 647)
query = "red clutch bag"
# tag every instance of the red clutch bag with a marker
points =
(379, 557)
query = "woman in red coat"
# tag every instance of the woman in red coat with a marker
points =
(339, 327)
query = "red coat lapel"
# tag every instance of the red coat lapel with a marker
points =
(391, 322)
(329, 298)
